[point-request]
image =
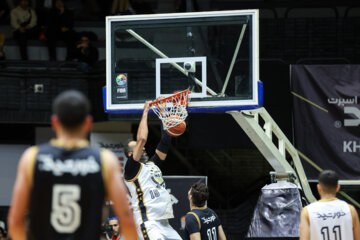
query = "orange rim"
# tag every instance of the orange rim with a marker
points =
(172, 97)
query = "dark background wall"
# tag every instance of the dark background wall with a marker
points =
(214, 145)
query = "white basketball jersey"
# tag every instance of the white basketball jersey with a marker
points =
(149, 198)
(330, 220)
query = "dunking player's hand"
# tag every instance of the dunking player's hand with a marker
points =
(161, 106)
(147, 106)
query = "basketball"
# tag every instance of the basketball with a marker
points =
(178, 129)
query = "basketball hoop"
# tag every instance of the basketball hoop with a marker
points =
(172, 110)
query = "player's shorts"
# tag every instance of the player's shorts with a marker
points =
(158, 230)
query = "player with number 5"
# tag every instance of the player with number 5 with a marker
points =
(62, 185)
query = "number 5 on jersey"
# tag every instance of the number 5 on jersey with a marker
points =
(66, 211)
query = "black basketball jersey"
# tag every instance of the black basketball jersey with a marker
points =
(67, 194)
(203, 220)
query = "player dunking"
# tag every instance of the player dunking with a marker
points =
(150, 200)
(202, 223)
(62, 184)
(329, 218)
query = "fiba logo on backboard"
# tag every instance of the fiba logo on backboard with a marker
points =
(121, 79)
(121, 85)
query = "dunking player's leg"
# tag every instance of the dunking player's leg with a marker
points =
(161, 230)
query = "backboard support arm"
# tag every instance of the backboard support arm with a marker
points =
(233, 59)
(262, 137)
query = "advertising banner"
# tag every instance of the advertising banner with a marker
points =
(327, 117)
(112, 141)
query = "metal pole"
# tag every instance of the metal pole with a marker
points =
(233, 59)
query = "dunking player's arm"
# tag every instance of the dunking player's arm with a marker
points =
(163, 146)
(141, 138)
(142, 134)
(116, 191)
(305, 224)
(137, 147)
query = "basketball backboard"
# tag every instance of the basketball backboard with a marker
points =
(214, 54)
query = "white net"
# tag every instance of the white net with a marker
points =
(172, 110)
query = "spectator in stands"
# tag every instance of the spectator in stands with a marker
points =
(60, 27)
(85, 52)
(121, 7)
(115, 229)
(23, 22)
(2, 42)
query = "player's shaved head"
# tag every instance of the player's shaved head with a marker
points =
(328, 179)
(129, 149)
(199, 193)
(71, 107)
